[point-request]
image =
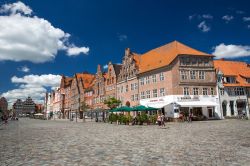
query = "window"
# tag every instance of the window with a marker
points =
(135, 86)
(186, 91)
(230, 80)
(132, 86)
(155, 93)
(132, 97)
(136, 97)
(206, 62)
(142, 95)
(239, 91)
(121, 89)
(183, 75)
(201, 75)
(222, 92)
(148, 94)
(161, 76)
(162, 92)
(195, 91)
(212, 91)
(126, 88)
(147, 80)
(142, 81)
(154, 78)
(192, 75)
(205, 91)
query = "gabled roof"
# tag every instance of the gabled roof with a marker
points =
(240, 70)
(86, 78)
(164, 55)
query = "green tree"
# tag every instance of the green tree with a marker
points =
(112, 102)
(84, 108)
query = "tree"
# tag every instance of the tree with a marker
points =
(112, 102)
(84, 108)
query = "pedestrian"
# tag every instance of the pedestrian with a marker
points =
(159, 120)
(190, 117)
(162, 120)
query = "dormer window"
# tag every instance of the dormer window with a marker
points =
(248, 80)
(230, 80)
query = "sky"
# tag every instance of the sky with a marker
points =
(41, 40)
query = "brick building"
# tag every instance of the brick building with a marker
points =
(177, 78)
(127, 82)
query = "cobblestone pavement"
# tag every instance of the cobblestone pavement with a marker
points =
(36, 142)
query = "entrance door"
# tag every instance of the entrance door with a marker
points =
(210, 112)
(224, 108)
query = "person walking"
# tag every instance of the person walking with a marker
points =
(190, 117)
(159, 120)
(162, 120)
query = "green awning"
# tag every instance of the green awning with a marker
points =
(122, 109)
(143, 108)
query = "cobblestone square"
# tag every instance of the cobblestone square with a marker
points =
(37, 142)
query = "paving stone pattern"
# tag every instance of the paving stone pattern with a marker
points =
(29, 142)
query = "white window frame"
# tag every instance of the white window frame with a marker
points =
(154, 78)
(202, 75)
(162, 76)
(155, 93)
(205, 91)
(186, 91)
(162, 92)
(192, 74)
(195, 91)
(148, 96)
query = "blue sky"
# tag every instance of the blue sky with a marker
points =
(101, 30)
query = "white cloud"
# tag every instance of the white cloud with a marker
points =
(24, 69)
(15, 8)
(207, 16)
(246, 18)
(248, 26)
(228, 18)
(204, 27)
(30, 38)
(73, 50)
(105, 66)
(33, 86)
(231, 51)
(122, 37)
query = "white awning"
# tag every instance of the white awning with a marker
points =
(156, 105)
(197, 103)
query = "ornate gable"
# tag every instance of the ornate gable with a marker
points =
(130, 65)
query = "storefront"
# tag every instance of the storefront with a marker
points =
(206, 106)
